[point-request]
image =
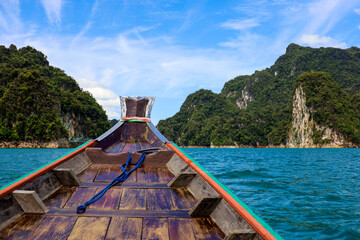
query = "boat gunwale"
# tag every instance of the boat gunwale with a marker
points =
(239, 206)
(10, 187)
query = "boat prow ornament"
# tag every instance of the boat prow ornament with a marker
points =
(136, 107)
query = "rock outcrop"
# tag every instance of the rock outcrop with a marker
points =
(306, 133)
(245, 98)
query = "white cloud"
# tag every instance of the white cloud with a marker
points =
(237, 24)
(10, 16)
(53, 10)
(314, 40)
(101, 93)
(357, 11)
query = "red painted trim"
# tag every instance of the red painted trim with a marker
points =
(233, 203)
(43, 170)
(136, 118)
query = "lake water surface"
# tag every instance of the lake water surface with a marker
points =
(301, 193)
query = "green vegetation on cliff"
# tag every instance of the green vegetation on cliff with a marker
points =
(256, 109)
(332, 106)
(36, 100)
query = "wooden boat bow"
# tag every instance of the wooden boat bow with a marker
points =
(170, 196)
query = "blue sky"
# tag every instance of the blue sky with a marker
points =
(170, 49)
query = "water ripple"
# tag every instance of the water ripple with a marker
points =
(302, 193)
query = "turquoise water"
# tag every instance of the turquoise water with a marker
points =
(301, 193)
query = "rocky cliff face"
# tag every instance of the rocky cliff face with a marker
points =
(71, 123)
(245, 98)
(306, 133)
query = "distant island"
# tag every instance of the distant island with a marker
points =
(309, 98)
(40, 106)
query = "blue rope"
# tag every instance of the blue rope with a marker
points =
(121, 178)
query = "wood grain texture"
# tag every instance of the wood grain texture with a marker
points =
(122, 228)
(181, 229)
(155, 228)
(159, 199)
(147, 175)
(54, 228)
(88, 175)
(194, 228)
(133, 198)
(80, 196)
(21, 228)
(107, 174)
(60, 197)
(110, 200)
(165, 175)
(205, 228)
(182, 198)
(89, 228)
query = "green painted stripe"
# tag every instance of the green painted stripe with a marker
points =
(248, 209)
(26, 175)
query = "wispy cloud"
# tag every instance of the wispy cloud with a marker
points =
(10, 16)
(314, 40)
(237, 24)
(357, 11)
(53, 10)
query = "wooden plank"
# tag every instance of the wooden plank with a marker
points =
(204, 207)
(205, 228)
(21, 228)
(182, 198)
(165, 175)
(131, 147)
(155, 228)
(122, 228)
(194, 228)
(182, 179)
(126, 185)
(181, 229)
(107, 174)
(110, 200)
(159, 199)
(60, 197)
(116, 148)
(88, 175)
(133, 198)
(80, 196)
(120, 212)
(147, 175)
(90, 228)
(57, 227)
(30, 201)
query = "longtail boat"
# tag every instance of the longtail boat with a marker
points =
(129, 183)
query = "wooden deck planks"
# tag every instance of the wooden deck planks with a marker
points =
(165, 175)
(159, 199)
(107, 174)
(58, 227)
(182, 198)
(110, 200)
(194, 228)
(22, 228)
(90, 228)
(122, 228)
(155, 228)
(60, 197)
(133, 198)
(80, 196)
(134, 211)
(147, 175)
(88, 175)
